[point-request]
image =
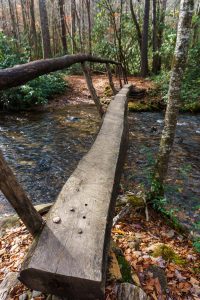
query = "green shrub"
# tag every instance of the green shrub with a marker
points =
(36, 91)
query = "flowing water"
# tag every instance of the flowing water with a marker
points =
(44, 148)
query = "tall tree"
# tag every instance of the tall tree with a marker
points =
(13, 20)
(33, 33)
(144, 48)
(63, 26)
(73, 25)
(174, 102)
(160, 30)
(88, 6)
(155, 63)
(137, 26)
(45, 29)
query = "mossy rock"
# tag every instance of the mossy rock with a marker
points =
(138, 106)
(108, 91)
(168, 254)
(145, 106)
(135, 200)
(160, 274)
(125, 269)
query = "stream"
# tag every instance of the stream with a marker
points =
(43, 149)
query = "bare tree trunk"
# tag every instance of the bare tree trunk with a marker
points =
(155, 39)
(33, 33)
(3, 17)
(110, 79)
(45, 29)
(73, 24)
(144, 49)
(88, 78)
(13, 20)
(24, 16)
(89, 26)
(18, 199)
(174, 103)
(17, 21)
(63, 27)
(137, 26)
(160, 30)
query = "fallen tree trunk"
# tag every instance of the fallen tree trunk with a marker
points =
(18, 198)
(21, 74)
(69, 257)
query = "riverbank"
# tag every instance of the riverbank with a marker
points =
(150, 254)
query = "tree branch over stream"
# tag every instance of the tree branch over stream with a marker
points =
(12, 77)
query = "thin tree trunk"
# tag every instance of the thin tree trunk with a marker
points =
(155, 64)
(88, 78)
(174, 102)
(18, 199)
(63, 27)
(160, 30)
(110, 79)
(24, 16)
(17, 21)
(13, 20)
(137, 26)
(89, 26)
(73, 24)
(45, 29)
(144, 49)
(33, 33)
(3, 17)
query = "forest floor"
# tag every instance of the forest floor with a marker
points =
(78, 92)
(160, 260)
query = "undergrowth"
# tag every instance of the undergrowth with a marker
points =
(37, 91)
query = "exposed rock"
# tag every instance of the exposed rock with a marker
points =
(7, 284)
(14, 221)
(8, 222)
(43, 208)
(114, 272)
(170, 234)
(23, 296)
(127, 291)
(160, 274)
(36, 294)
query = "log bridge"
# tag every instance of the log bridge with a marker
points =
(68, 257)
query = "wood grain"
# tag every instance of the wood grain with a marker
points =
(69, 258)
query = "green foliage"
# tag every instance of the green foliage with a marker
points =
(125, 269)
(196, 244)
(37, 91)
(190, 92)
(10, 53)
(104, 39)
(168, 254)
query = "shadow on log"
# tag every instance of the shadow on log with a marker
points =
(69, 257)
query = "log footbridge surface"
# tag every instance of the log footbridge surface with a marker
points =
(69, 255)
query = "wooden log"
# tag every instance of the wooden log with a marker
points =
(15, 194)
(21, 74)
(91, 89)
(110, 79)
(69, 257)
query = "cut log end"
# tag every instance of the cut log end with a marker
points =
(69, 287)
